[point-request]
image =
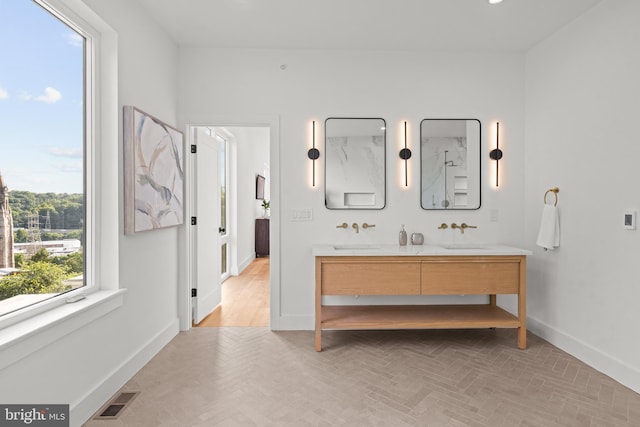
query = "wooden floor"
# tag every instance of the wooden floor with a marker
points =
(245, 298)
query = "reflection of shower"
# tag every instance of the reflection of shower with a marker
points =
(447, 164)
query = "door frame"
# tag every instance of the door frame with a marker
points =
(186, 279)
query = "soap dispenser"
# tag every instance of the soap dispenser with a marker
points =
(403, 237)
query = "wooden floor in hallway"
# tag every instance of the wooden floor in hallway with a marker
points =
(245, 298)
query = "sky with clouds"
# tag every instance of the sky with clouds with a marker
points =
(41, 97)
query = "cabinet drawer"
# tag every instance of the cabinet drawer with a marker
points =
(379, 278)
(464, 277)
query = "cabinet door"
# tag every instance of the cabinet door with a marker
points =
(371, 278)
(451, 277)
(262, 237)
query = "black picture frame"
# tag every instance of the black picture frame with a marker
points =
(260, 187)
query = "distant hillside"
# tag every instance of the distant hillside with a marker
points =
(65, 210)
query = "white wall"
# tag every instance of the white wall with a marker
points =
(87, 366)
(396, 86)
(582, 92)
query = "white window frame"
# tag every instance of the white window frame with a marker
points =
(36, 326)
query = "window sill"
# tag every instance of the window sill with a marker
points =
(26, 337)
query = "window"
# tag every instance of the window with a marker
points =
(45, 146)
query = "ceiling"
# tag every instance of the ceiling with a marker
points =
(512, 26)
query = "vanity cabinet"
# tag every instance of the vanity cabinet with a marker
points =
(420, 275)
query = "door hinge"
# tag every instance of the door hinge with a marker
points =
(194, 292)
(194, 149)
(194, 220)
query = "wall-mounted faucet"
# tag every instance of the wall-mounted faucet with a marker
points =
(355, 227)
(443, 226)
(365, 225)
(343, 225)
(462, 226)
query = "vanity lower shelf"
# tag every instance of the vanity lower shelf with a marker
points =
(472, 316)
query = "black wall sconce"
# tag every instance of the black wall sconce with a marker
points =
(405, 154)
(496, 153)
(313, 154)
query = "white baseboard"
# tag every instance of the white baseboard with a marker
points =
(244, 264)
(294, 323)
(620, 371)
(84, 408)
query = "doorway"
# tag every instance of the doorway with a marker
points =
(247, 294)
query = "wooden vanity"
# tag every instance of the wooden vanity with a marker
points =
(423, 271)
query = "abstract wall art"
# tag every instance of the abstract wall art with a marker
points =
(153, 173)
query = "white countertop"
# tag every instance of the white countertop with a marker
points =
(415, 250)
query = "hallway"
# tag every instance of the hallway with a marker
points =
(245, 298)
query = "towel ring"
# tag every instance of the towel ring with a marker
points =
(553, 190)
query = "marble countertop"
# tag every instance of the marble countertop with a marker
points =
(415, 250)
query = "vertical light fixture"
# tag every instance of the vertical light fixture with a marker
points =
(496, 153)
(405, 154)
(313, 154)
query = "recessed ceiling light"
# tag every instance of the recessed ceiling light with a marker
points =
(495, 1)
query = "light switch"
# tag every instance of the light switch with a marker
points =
(305, 214)
(630, 220)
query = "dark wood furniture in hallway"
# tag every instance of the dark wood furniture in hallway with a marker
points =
(262, 237)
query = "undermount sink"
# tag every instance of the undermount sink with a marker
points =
(464, 246)
(355, 246)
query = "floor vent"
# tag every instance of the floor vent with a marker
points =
(114, 408)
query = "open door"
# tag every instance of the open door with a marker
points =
(207, 281)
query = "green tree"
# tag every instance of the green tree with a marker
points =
(72, 263)
(19, 260)
(20, 235)
(36, 278)
(41, 256)
(50, 235)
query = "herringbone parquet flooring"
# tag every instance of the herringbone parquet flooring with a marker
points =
(256, 377)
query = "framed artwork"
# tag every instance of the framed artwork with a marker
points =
(259, 187)
(153, 173)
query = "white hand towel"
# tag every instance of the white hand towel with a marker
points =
(549, 234)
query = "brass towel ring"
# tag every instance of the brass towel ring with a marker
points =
(553, 190)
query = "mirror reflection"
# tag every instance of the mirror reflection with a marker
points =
(355, 163)
(450, 164)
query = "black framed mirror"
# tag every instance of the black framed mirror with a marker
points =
(450, 164)
(355, 163)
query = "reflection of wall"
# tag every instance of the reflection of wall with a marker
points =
(355, 171)
(439, 181)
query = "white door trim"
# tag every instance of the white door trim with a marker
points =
(186, 279)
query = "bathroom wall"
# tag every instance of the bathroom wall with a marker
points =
(582, 92)
(301, 86)
(85, 367)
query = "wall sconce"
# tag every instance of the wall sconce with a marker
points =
(314, 154)
(496, 153)
(405, 154)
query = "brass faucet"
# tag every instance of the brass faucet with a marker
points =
(343, 225)
(355, 227)
(464, 226)
(443, 226)
(365, 225)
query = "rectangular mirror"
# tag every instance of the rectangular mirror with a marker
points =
(355, 165)
(450, 164)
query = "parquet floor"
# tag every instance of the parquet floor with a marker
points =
(245, 298)
(256, 377)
